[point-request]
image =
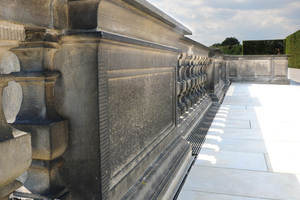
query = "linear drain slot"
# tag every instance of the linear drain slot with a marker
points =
(197, 136)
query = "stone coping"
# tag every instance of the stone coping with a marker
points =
(198, 44)
(148, 8)
(257, 56)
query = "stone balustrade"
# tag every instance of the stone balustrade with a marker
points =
(15, 145)
(106, 100)
(190, 81)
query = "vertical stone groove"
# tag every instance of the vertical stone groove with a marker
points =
(103, 128)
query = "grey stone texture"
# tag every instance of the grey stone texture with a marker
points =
(259, 69)
(109, 91)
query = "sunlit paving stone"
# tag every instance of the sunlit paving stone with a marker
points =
(252, 148)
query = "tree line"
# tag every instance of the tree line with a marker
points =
(230, 46)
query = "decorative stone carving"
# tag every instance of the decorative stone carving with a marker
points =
(190, 81)
(49, 131)
(15, 148)
(12, 94)
(11, 31)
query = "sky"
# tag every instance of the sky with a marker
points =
(212, 21)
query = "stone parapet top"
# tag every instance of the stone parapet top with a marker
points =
(148, 8)
(190, 41)
(95, 36)
(257, 56)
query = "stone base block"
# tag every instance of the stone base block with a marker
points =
(281, 81)
(164, 176)
(219, 93)
(42, 180)
(49, 140)
(6, 190)
(15, 157)
(188, 121)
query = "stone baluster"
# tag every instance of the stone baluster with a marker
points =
(15, 150)
(206, 62)
(193, 95)
(48, 130)
(186, 100)
(198, 78)
(181, 85)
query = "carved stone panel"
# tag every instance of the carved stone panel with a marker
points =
(247, 69)
(262, 67)
(139, 111)
(233, 68)
(281, 68)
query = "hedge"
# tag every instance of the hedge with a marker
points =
(293, 49)
(263, 47)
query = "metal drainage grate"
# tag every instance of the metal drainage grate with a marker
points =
(197, 136)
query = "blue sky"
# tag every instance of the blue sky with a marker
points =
(211, 21)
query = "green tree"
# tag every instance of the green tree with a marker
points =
(229, 46)
(216, 45)
(230, 41)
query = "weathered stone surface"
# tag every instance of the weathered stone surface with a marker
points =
(177, 155)
(25, 11)
(77, 88)
(193, 47)
(45, 13)
(122, 69)
(12, 94)
(19, 158)
(261, 69)
(83, 14)
(48, 130)
(140, 111)
(49, 141)
(8, 189)
(10, 31)
(126, 18)
(138, 93)
(12, 98)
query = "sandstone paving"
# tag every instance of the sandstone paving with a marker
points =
(252, 149)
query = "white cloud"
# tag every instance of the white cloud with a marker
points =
(213, 21)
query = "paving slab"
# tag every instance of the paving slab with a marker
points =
(237, 114)
(255, 184)
(195, 195)
(252, 134)
(283, 163)
(238, 145)
(252, 148)
(231, 159)
(227, 123)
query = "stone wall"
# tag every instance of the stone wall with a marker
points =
(259, 69)
(100, 102)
